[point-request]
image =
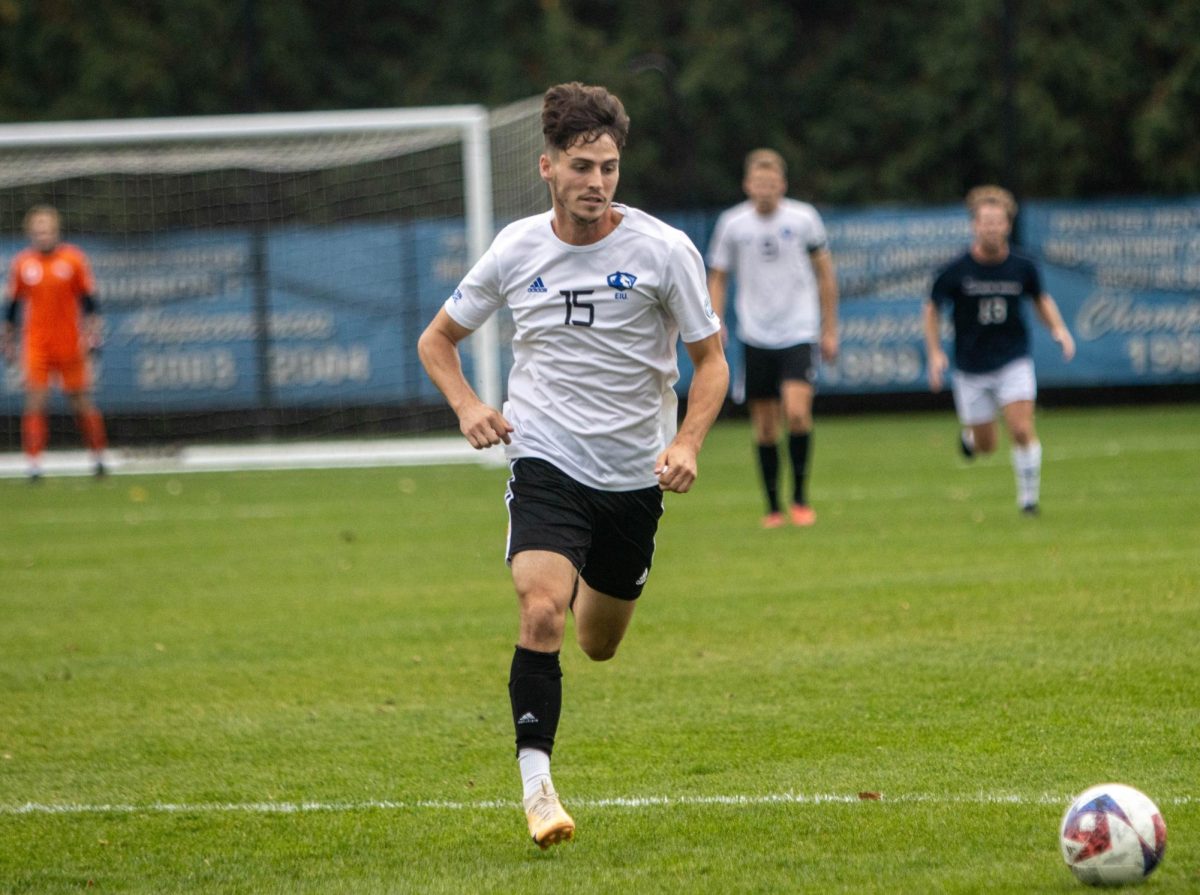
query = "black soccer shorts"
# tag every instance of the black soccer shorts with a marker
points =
(607, 535)
(766, 368)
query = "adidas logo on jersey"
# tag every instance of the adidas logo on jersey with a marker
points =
(529, 717)
(537, 286)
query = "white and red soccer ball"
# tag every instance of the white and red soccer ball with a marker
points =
(1112, 835)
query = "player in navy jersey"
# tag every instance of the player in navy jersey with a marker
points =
(984, 289)
(599, 294)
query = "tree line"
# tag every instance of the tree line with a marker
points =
(889, 101)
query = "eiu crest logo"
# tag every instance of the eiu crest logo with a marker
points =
(621, 281)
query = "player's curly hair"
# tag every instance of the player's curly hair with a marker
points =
(580, 113)
(990, 194)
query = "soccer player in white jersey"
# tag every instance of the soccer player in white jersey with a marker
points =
(599, 294)
(787, 303)
(993, 369)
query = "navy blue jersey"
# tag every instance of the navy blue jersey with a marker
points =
(989, 324)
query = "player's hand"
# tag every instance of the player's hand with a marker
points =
(1063, 337)
(938, 363)
(829, 347)
(484, 426)
(91, 335)
(676, 468)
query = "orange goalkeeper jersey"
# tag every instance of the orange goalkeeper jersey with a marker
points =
(51, 285)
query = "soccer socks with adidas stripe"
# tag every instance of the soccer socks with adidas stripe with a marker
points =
(535, 692)
(1027, 466)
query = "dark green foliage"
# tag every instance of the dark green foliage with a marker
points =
(890, 101)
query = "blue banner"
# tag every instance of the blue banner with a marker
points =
(1126, 277)
(343, 305)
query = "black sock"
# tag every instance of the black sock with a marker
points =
(535, 691)
(798, 444)
(768, 466)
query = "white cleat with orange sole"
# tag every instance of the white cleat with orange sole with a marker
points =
(549, 824)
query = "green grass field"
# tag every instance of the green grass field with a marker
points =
(296, 682)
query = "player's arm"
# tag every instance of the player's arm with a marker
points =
(1047, 312)
(85, 287)
(93, 327)
(8, 344)
(676, 466)
(827, 289)
(935, 356)
(718, 293)
(483, 426)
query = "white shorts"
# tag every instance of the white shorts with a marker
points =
(977, 396)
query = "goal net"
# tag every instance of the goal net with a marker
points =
(267, 276)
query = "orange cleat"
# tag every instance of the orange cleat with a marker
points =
(803, 516)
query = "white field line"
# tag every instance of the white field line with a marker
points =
(628, 802)
(432, 451)
(364, 453)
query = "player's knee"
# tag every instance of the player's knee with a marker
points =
(985, 441)
(541, 616)
(1023, 436)
(800, 423)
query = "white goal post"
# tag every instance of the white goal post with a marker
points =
(214, 237)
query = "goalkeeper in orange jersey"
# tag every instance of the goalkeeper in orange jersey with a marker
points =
(50, 285)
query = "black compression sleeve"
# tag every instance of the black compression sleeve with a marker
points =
(89, 303)
(10, 311)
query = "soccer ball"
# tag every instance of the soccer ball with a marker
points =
(1112, 835)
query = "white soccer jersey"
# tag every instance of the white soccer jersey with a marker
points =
(594, 345)
(777, 302)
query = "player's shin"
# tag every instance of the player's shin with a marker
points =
(91, 425)
(768, 467)
(535, 692)
(35, 432)
(799, 445)
(1027, 466)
